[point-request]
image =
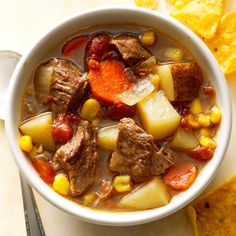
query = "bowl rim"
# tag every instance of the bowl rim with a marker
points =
(104, 217)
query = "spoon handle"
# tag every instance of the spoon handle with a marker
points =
(34, 226)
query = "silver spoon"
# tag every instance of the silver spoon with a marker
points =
(34, 227)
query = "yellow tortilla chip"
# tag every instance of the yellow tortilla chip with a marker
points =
(193, 218)
(151, 4)
(216, 213)
(202, 16)
(172, 2)
(223, 45)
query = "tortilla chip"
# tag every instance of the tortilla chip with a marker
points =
(172, 1)
(216, 213)
(202, 16)
(223, 45)
(193, 218)
(151, 4)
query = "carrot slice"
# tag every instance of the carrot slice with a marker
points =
(107, 80)
(181, 176)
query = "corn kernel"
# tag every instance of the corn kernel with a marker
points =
(215, 115)
(155, 80)
(148, 38)
(89, 199)
(90, 109)
(205, 132)
(26, 143)
(207, 142)
(192, 121)
(204, 120)
(195, 106)
(174, 54)
(122, 183)
(61, 184)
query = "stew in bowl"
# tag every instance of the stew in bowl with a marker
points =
(119, 118)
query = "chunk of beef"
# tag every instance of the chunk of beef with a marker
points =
(83, 175)
(145, 67)
(68, 86)
(162, 159)
(130, 48)
(131, 75)
(113, 54)
(134, 150)
(79, 159)
(136, 153)
(70, 152)
(142, 68)
(187, 79)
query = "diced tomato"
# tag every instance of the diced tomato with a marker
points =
(74, 118)
(93, 65)
(181, 107)
(119, 110)
(44, 170)
(184, 122)
(209, 91)
(62, 130)
(201, 153)
(181, 176)
(73, 44)
(99, 45)
(108, 81)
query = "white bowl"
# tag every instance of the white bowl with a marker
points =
(124, 16)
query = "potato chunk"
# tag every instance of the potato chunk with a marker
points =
(166, 81)
(39, 129)
(158, 116)
(184, 140)
(42, 81)
(107, 137)
(181, 81)
(150, 195)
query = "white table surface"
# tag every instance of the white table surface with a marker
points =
(21, 23)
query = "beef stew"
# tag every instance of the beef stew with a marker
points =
(120, 121)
